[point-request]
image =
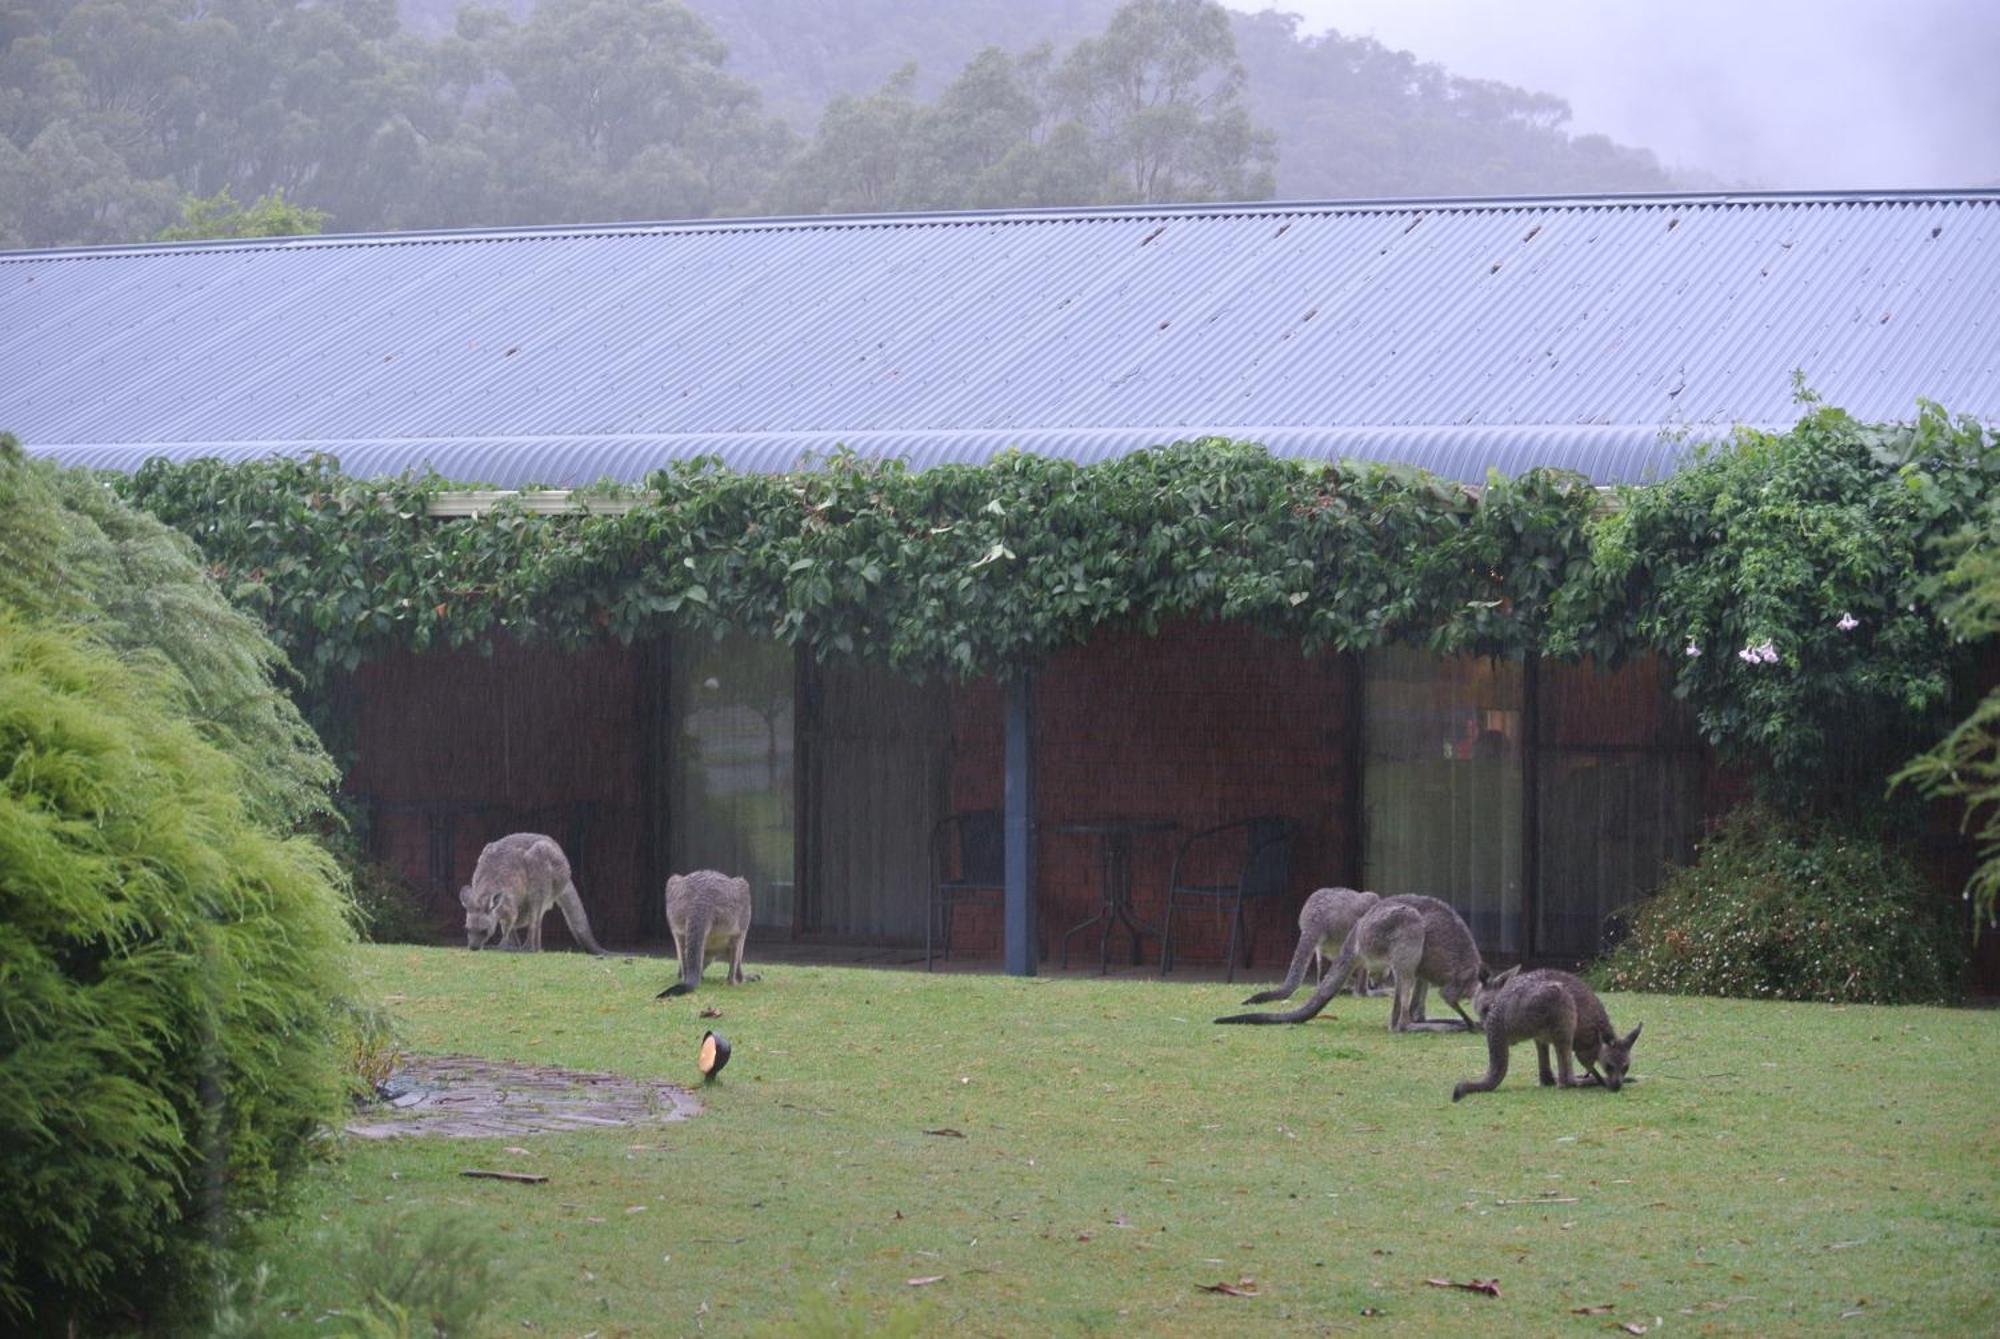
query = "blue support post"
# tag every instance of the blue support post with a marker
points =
(1020, 825)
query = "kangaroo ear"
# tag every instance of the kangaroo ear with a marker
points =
(1632, 1036)
(465, 898)
(1504, 977)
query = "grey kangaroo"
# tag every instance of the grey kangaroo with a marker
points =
(1324, 922)
(1416, 941)
(1552, 1009)
(516, 881)
(706, 910)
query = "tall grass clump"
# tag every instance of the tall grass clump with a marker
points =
(1776, 907)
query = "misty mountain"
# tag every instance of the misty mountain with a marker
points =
(1352, 117)
(115, 115)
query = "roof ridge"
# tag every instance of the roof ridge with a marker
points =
(1054, 214)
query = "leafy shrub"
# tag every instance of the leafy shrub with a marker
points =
(166, 971)
(387, 910)
(1776, 908)
(1965, 765)
(1791, 581)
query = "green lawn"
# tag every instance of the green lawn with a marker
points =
(1775, 1168)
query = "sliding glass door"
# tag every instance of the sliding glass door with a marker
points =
(732, 797)
(1442, 785)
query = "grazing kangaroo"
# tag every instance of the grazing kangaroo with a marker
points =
(706, 910)
(1324, 922)
(516, 881)
(1416, 941)
(1550, 1008)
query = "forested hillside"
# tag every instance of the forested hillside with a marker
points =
(123, 118)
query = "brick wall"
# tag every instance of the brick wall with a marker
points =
(529, 739)
(1204, 724)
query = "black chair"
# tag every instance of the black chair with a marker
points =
(981, 870)
(1265, 871)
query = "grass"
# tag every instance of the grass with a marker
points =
(1777, 1169)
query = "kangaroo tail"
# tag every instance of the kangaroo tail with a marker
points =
(1343, 966)
(579, 924)
(1303, 954)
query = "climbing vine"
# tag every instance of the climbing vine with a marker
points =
(1790, 579)
(962, 570)
(1792, 582)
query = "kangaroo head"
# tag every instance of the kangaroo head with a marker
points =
(480, 920)
(1616, 1059)
(1490, 985)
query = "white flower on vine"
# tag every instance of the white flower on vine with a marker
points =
(1848, 622)
(1763, 653)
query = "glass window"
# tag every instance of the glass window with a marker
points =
(732, 767)
(1441, 785)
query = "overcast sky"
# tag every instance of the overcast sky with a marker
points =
(1773, 93)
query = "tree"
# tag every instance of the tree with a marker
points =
(1162, 93)
(219, 215)
(619, 109)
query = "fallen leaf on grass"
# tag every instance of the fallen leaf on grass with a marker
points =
(1591, 1310)
(1491, 1287)
(710, 1012)
(1633, 1327)
(1243, 1289)
(947, 1132)
(925, 1281)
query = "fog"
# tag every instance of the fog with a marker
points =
(1770, 93)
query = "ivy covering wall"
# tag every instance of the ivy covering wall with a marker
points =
(1792, 579)
(963, 570)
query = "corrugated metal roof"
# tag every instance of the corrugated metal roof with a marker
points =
(1595, 333)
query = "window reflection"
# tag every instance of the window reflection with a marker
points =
(732, 794)
(1441, 785)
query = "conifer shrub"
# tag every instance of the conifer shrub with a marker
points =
(1783, 908)
(71, 551)
(168, 972)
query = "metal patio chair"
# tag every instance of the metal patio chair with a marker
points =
(981, 873)
(1265, 872)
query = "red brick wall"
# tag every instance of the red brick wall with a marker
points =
(525, 740)
(1204, 724)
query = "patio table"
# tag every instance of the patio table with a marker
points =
(1115, 836)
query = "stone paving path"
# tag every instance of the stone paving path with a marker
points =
(465, 1097)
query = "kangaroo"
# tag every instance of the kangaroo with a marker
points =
(1324, 922)
(1416, 941)
(1550, 1008)
(706, 910)
(516, 881)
